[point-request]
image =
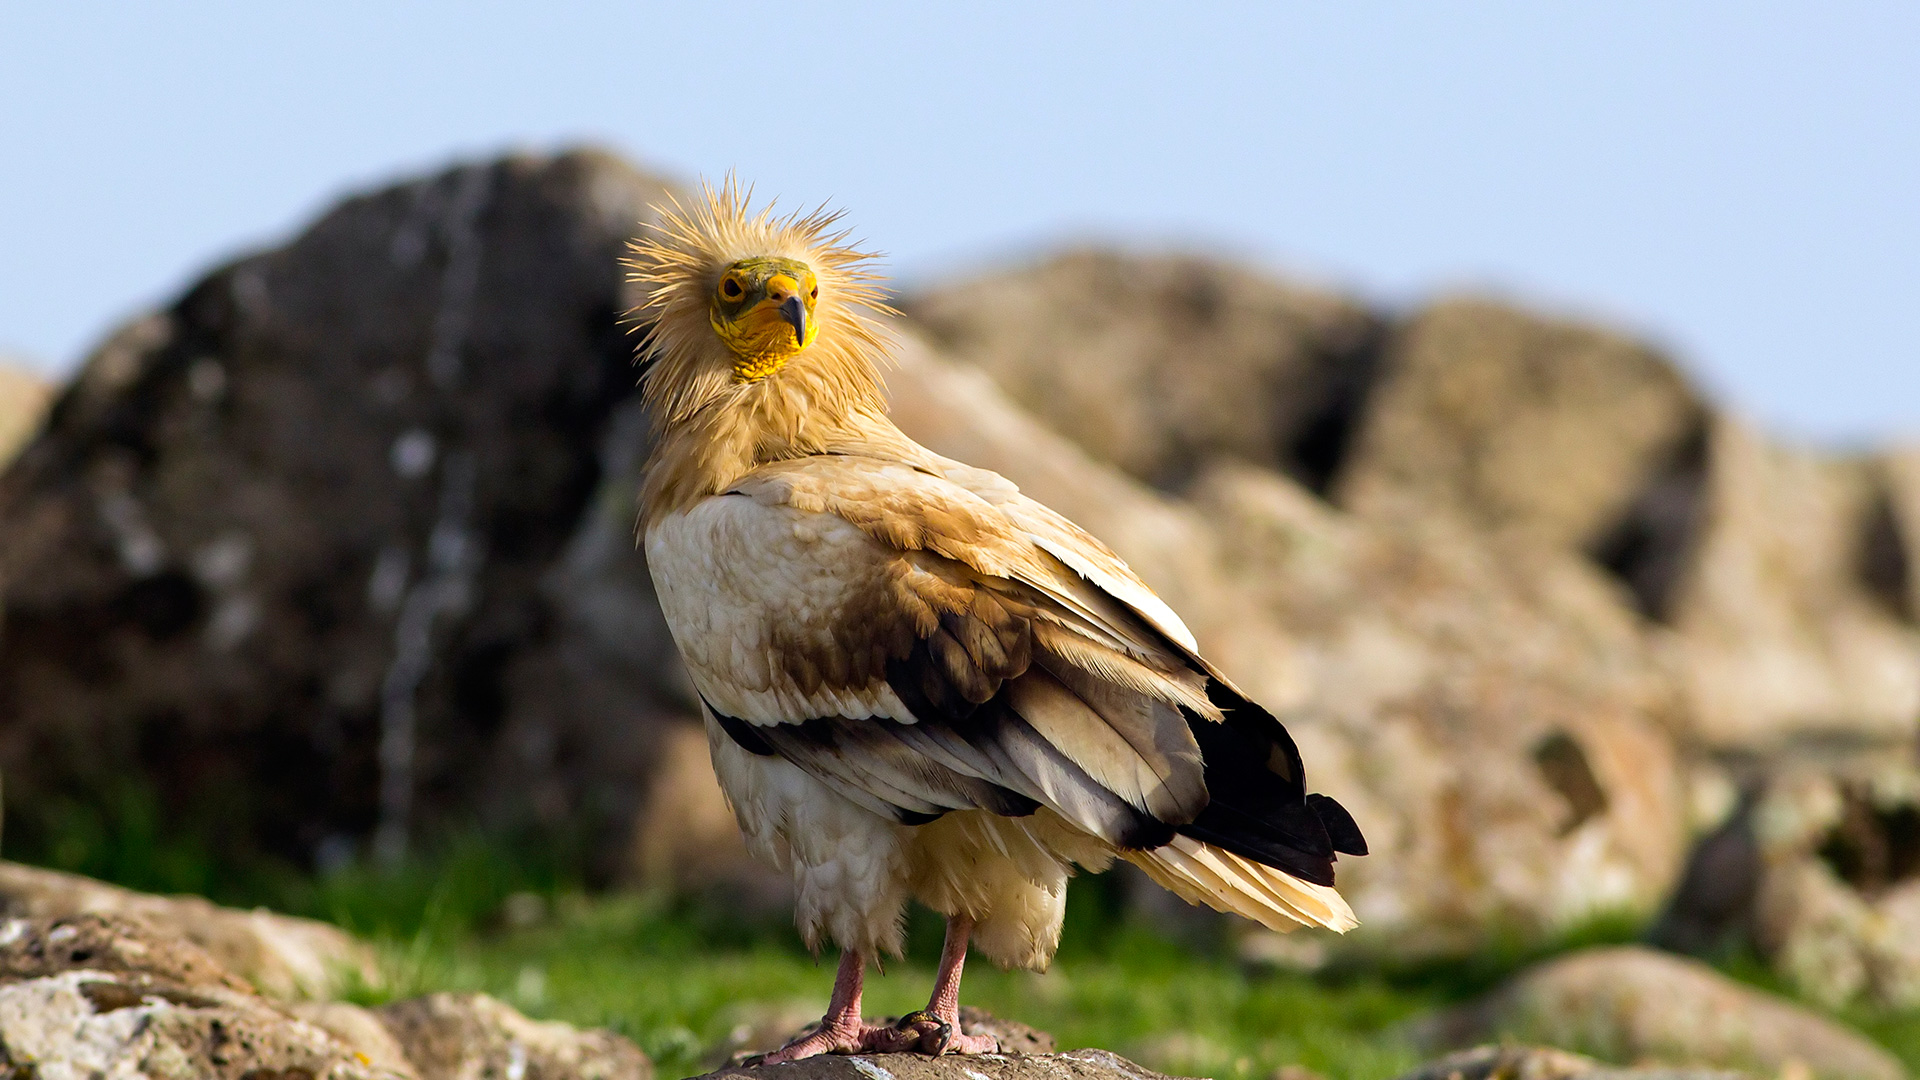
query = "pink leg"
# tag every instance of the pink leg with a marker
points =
(842, 1031)
(939, 1024)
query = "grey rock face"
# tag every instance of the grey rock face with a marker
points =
(85, 994)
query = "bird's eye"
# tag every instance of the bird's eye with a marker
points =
(731, 289)
(815, 294)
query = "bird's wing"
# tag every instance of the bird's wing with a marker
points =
(1103, 568)
(920, 646)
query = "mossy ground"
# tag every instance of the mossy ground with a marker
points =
(679, 975)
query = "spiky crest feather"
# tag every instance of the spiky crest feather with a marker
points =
(712, 427)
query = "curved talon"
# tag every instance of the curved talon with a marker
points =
(935, 1033)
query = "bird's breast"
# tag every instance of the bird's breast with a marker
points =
(773, 610)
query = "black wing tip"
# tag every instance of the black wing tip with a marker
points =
(1144, 833)
(1315, 869)
(741, 732)
(1258, 805)
(1341, 828)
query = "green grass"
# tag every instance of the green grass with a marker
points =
(680, 975)
(664, 975)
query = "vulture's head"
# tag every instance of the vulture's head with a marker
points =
(741, 302)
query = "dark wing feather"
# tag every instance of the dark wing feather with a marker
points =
(1257, 804)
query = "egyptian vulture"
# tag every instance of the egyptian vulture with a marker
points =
(917, 682)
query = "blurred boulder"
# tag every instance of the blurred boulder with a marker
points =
(278, 955)
(1514, 421)
(1890, 559)
(1775, 577)
(24, 397)
(455, 1036)
(1793, 616)
(290, 559)
(361, 1031)
(1159, 363)
(1818, 872)
(141, 954)
(1633, 1005)
(1512, 1062)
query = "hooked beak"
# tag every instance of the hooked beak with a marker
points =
(794, 310)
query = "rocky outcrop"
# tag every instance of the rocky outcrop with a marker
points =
(107, 995)
(1637, 1005)
(1516, 422)
(454, 1036)
(136, 953)
(284, 560)
(1792, 619)
(85, 995)
(1775, 577)
(1158, 364)
(88, 1024)
(1818, 870)
(278, 955)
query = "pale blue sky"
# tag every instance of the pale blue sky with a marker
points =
(1740, 181)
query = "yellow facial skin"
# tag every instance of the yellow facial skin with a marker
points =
(763, 309)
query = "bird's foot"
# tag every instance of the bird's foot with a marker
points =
(935, 1035)
(847, 1037)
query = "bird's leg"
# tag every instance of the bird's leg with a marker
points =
(842, 1031)
(938, 1025)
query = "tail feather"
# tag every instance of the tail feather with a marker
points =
(1201, 873)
